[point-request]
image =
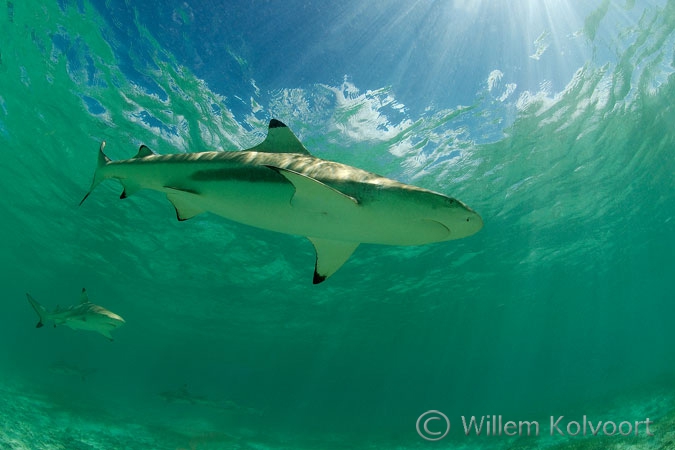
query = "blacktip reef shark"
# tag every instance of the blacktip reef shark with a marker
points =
(278, 185)
(83, 316)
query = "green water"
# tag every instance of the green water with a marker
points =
(561, 305)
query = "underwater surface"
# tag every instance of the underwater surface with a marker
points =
(554, 120)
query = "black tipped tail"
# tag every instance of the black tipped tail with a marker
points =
(84, 198)
(39, 309)
(102, 161)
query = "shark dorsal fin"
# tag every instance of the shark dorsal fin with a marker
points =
(83, 297)
(280, 139)
(144, 151)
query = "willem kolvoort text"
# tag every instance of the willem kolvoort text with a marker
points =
(497, 426)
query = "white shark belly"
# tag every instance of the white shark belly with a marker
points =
(270, 206)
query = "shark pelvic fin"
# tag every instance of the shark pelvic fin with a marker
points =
(183, 201)
(280, 139)
(144, 151)
(314, 195)
(330, 256)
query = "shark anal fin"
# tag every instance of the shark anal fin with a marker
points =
(330, 256)
(311, 194)
(183, 200)
(39, 324)
(280, 139)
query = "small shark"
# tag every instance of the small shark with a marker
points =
(278, 185)
(183, 395)
(71, 370)
(83, 316)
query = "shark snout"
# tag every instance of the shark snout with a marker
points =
(462, 223)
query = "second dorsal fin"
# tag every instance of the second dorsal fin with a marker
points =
(84, 298)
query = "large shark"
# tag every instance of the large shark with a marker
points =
(83, 316)
(278, 185)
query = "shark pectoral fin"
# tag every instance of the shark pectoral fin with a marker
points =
(330, 256)
(314, 195)
(433, 229)
(130, 188)
(184, 202)
(106, 333)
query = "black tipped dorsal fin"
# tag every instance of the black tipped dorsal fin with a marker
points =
(280, 139)
(144, 151)
(83, 297)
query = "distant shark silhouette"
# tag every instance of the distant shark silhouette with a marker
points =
(183, 396)
(277, 185)
(71, 370)
(83, 316)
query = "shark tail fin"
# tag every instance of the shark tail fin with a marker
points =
(98, 178)
(39, 309)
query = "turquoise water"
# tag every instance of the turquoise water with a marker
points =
(558, 131)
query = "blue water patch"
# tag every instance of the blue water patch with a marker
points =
(93, 106)
(63, 4)
(10, 12)
(61, 42)
(3, 127)
(154, 122)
